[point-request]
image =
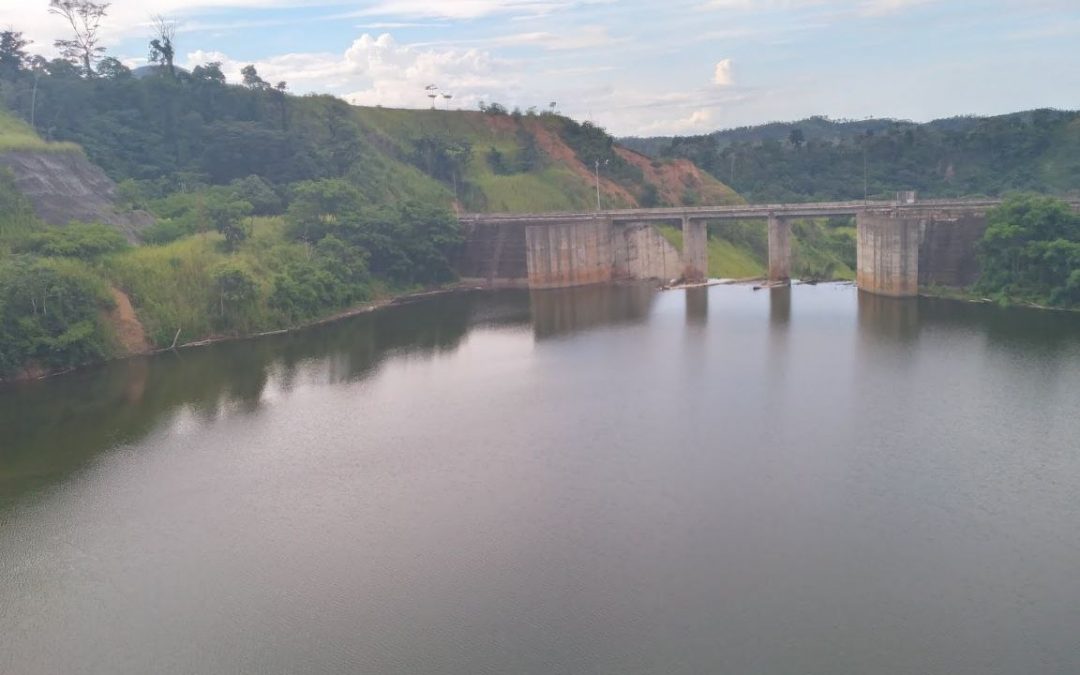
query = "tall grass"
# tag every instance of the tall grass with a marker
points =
(16, 135)
(170, 286)
(173, 286)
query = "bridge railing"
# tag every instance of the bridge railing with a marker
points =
(809, 209)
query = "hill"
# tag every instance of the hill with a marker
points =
(272, 210)
(821, 159)
(60, 184)
(173, 134)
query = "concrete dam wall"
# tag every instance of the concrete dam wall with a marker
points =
(494, 253)
(562, 255)
(899, 254)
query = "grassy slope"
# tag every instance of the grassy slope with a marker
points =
(16, 135)
(564, 182)
(553, 188)
(726, 259)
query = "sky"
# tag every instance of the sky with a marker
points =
(636, 67)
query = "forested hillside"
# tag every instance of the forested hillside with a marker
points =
(271, 210)
(165, 133)
(818, 159)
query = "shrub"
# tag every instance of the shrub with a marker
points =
(87, 241)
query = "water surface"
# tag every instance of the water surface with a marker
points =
(606, 480)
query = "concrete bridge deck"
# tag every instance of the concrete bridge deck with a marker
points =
(736, 212)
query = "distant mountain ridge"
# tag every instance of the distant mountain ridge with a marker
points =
(817, 127)
(819, 158)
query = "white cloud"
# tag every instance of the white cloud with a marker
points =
(124, 19)
(380, 71)
(696, 121)
(722, 76)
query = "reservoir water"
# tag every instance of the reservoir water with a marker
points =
(604, 480)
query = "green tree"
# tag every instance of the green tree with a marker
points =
(317, 208)
(1030, 250)
(256, 191)
(209, 73)
(87, 241)
(50, 315)
(111, 68)
(227, 217)
(84, 18)
(252, 80)
(162, 50)
(236, 292)
(13, 56)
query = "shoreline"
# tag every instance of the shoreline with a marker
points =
(470, 286)
(28, 375)
(960, 295)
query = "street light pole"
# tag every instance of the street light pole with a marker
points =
(865, 178)
(598, 184)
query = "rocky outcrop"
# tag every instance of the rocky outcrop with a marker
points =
(65, 186)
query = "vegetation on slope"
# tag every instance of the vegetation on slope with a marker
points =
(822, 249)
(816, 159)
(16, 135)
(1031, 252)
(272, 209)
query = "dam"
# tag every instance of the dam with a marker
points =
(902, 245)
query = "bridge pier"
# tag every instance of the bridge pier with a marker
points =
(779, 249)
(902, 244)
(695, 250)
(888, 254)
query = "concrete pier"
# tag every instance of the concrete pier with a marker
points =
(779, 249)
(888, 254)
(695, 250)
(902, 244)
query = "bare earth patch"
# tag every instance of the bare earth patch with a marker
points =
(125, 322)
(558, 150)
(674, 177)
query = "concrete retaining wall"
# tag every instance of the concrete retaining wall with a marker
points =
(494, 253)
(900, 254)
(641, 252)
(947, 250)
(571, 254)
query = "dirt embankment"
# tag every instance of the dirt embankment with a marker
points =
(65, 186)
(125, 323)
(554, 147)
(558, 150)
(679, 178)
(677, 181)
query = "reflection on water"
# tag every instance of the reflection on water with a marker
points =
(54, 426)
(892, 318)
(780, 306)
(564, 312)
(804, 480)
(697, 305)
